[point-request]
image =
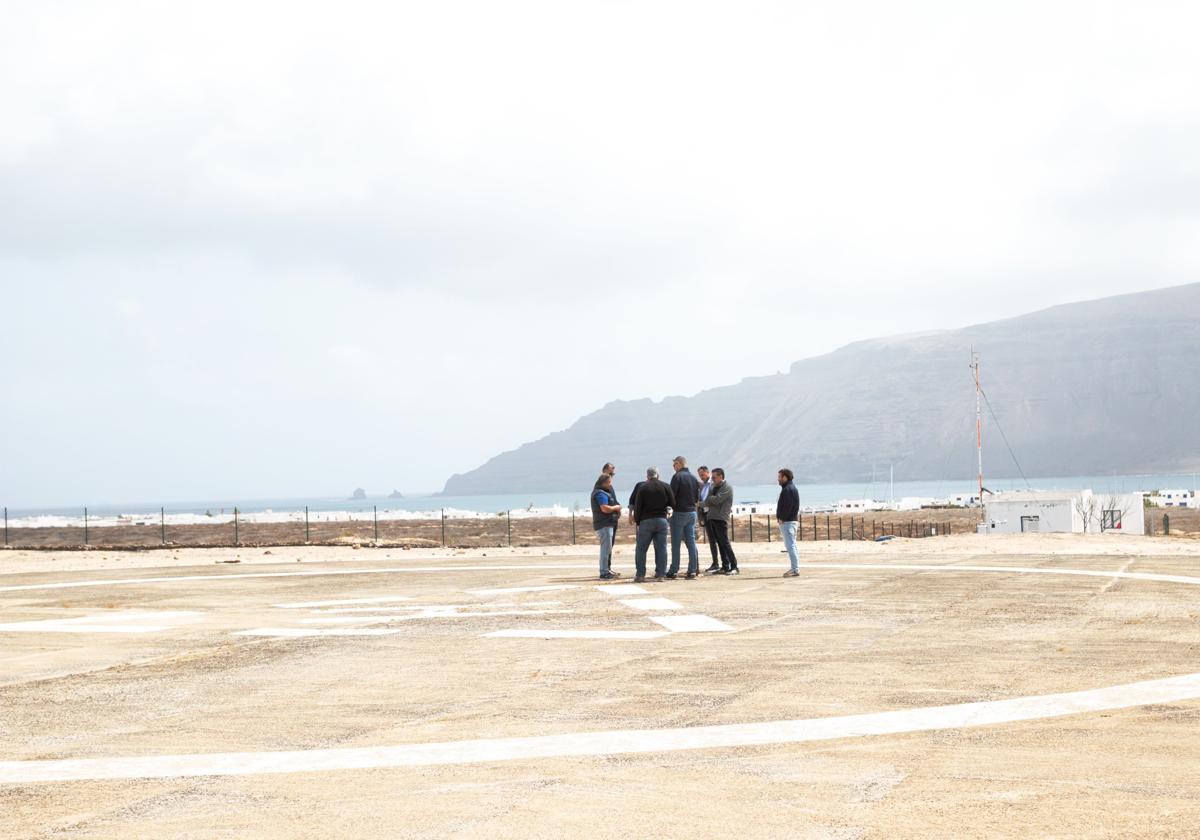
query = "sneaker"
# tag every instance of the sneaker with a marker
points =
(639, 579)
(733, 571)
(609, 576)
(660, 577)
(690, 576)
(672, 575)
(790, 573)
(713, 571)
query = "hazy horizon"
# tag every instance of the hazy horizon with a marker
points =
(251, 247)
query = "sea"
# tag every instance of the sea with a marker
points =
(553, 503)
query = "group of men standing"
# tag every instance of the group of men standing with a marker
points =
(657, 508)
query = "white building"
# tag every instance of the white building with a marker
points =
(1174, 498)
(1063, 511)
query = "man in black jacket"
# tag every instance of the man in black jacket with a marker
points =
(683, 520)
(787, 510)
(652, 499)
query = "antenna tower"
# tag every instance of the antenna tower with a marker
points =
(978, 421)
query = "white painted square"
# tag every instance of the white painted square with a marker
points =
(619, 589)
(691, 624)
(652, 604)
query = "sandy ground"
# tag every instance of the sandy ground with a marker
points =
(846, 638)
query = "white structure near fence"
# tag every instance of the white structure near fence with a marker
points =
(1173, 498)
(1063, 512)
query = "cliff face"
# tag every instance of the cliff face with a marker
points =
(1096, 387)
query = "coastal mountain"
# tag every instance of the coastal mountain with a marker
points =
(1109, 385)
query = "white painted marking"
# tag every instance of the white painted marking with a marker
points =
(617, 742)
(412, 607)
(652, 604)
(110, 622)
(309, 604)
(323, 573)
(516, 589)
(631, 635)
(376, 619)
(294, 632)
(613, 589)
(691, 623)
(618, 589)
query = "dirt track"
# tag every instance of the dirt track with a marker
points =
(844, 639)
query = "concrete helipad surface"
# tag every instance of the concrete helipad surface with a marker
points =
(962, 687)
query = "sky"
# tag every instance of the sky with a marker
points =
(263, 250)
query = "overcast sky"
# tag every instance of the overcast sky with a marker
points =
(279, 249)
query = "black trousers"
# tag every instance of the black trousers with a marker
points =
(712, 542)
(720, 535)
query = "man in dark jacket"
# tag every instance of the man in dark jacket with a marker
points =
(718, 508)
(787, 511)
(652, 500)
(683, 520)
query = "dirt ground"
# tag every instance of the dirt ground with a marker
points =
(350, 688)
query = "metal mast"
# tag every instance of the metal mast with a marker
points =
(978, 421)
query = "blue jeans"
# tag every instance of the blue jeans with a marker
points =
(788, 531)
(683, 526)
(656, 530)
(606, 546)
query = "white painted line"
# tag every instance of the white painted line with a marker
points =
(618, 589)
(376, 619)
(615, 742)
(309, 604)
(110, 622)
(521, 589)
(652, 604)
(614, 589)
(323, 573)
(412, 607)
(629, 635)
(691, 623)
(296, 632)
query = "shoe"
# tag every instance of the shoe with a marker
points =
(671, 576)
(690, 576)
(609, 577)
(639, 579)
(660, 577)
(733, 571)
(713, 571)
(790, 573)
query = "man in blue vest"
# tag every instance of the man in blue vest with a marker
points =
(605, 513)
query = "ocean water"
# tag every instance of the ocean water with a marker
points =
(562, 502)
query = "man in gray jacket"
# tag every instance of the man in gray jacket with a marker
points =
(718, 508)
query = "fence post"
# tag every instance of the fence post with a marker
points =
(307, 539)
(768, 527)
(752, 527)
(235, 525)
(509, 528)
(839, 528)
(800, 527)
(732, 527)
(572, 527)
(1166, 525)
(872, 530)
(6, 526)
(375, 513)
(85, 534)
(162, 522)
(443, 527)
(827, 527)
